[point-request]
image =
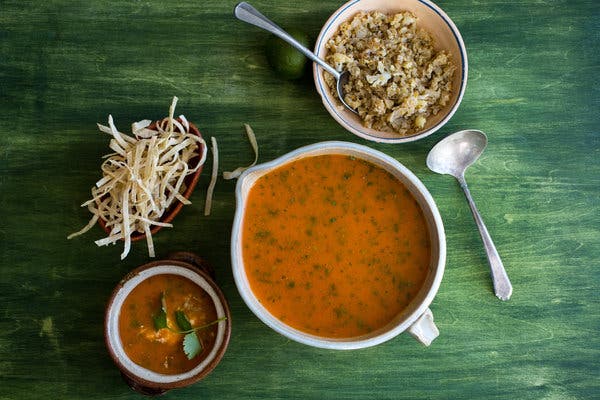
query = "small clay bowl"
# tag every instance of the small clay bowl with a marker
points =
(144, 380)
(190, 183)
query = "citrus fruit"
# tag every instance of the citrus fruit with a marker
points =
(284, 59)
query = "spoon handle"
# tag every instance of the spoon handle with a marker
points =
(245, 12)
(502, 285)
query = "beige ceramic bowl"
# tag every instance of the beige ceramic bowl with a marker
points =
(416, 318)
(446, 37)
(144, 380)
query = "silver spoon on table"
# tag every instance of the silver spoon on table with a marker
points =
(245, 12)
(452, 156)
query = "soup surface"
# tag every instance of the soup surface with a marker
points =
(333, 245)
(161, 350)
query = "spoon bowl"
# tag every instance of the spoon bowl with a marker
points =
(341, 81)
(452, 156)
(457, 152)
(245, 12)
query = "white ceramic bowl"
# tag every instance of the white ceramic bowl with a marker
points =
(446, 36)
(416, 318)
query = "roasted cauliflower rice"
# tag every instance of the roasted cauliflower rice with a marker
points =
(397, 79)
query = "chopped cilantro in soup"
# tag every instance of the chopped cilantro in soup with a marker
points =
(158, 348)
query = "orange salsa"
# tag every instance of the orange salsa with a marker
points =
(333, 245)
(162, 351)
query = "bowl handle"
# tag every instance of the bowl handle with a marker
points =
(424, 329)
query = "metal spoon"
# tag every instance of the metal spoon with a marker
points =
(452, 156)
(245, 12)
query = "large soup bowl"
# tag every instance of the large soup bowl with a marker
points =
(416, 318)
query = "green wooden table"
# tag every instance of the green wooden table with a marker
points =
(533, 88)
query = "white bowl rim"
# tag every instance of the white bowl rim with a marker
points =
(339, 117)
(262, 313)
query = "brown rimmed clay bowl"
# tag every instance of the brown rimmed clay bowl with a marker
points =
(144, 380)
(190, 182)
(446, 37)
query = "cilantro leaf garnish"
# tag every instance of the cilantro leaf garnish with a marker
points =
(182, 321)
(191, 345)
(160, 318)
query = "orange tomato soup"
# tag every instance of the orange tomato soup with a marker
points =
(162, 351)
(333, 245)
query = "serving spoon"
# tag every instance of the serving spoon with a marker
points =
(245, 12)
(452, 156)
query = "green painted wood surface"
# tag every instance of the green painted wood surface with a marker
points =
(533, 87)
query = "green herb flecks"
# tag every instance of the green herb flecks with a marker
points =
(192, 345)
(160, 318)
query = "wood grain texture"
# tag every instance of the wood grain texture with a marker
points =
(533, 88)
